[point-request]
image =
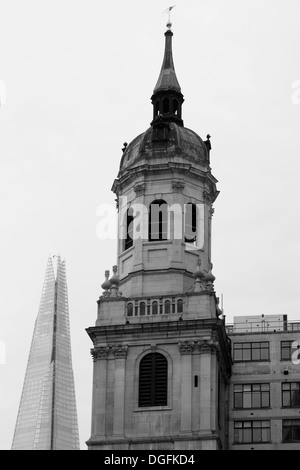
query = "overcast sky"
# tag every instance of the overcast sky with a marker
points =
(78, 79)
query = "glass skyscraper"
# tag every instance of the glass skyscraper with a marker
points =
(47, 417)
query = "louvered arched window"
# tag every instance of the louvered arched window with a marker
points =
(153, 380)
(190, 223)
(128, 243)
(158, 221)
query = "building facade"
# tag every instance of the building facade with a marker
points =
(168, 373)
(161, 355)
(264, 404)
(47, 417)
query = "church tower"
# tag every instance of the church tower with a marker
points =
(161, 354)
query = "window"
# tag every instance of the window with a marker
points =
(166, 105)
(130, 310)
(252, 432)
(190, 229)
(246, 352)
(154, 308)
(167, 306)
(153, 380)
(291, 430)
(179, 306)
(175, 107)
(286, 350)
(156, 112)
(142, 308)
(158, 221)
(291, 395)
(129, 229)
(252, 396)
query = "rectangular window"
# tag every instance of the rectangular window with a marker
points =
(252, 432)
(286, 350)
(246, 352)
(291, 430)
(251, 396)
(290, 394)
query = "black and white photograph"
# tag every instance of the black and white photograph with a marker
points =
(150, 249)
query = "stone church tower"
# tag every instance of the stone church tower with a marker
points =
(161, 354)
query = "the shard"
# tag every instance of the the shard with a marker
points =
(47, 417)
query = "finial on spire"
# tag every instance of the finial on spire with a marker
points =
(168, 10)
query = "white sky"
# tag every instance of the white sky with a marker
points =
(79, 76)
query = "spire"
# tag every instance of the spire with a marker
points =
(167, 98)
(167, 79)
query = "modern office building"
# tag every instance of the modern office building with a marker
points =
(264, 404)
(47, 417)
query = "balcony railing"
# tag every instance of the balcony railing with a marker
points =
(154, 306)
(262, 327)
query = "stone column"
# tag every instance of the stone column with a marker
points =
(100, 355)
(214, 391)
(205, 386)
(120, 353)
(186, 349)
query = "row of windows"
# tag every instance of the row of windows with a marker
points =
(153, 386)
(260, 351)
(158, 223)
(154, 308)
(259, 432)
(258, 395)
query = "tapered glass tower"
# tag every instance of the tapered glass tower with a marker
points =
(47, 417)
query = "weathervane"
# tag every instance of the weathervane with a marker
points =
(168, 10)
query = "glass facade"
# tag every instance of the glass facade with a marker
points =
(47, 417)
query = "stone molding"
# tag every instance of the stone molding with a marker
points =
(186, 347)
(208, 347)
(202, 347)
(104, 352)
(139, 188)
(120, 351)
(206, 197)
(177, 184)
(101, 352)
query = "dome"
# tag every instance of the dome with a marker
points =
(176, 144)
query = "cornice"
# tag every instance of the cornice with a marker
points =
(146, 169)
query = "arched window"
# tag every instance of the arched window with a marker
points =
(166, 105)
(158, 221)
(129, 229)
(153, 380)
(142, 308)
(154, 308)
(175, 107)
(167, 306)
(130, 310)
(156, 108)
(190, 229)
(179, 306)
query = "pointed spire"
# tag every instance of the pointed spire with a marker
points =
(167, 79)
(167, 98)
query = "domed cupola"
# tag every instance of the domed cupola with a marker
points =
(182, 144)
(167, 140)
